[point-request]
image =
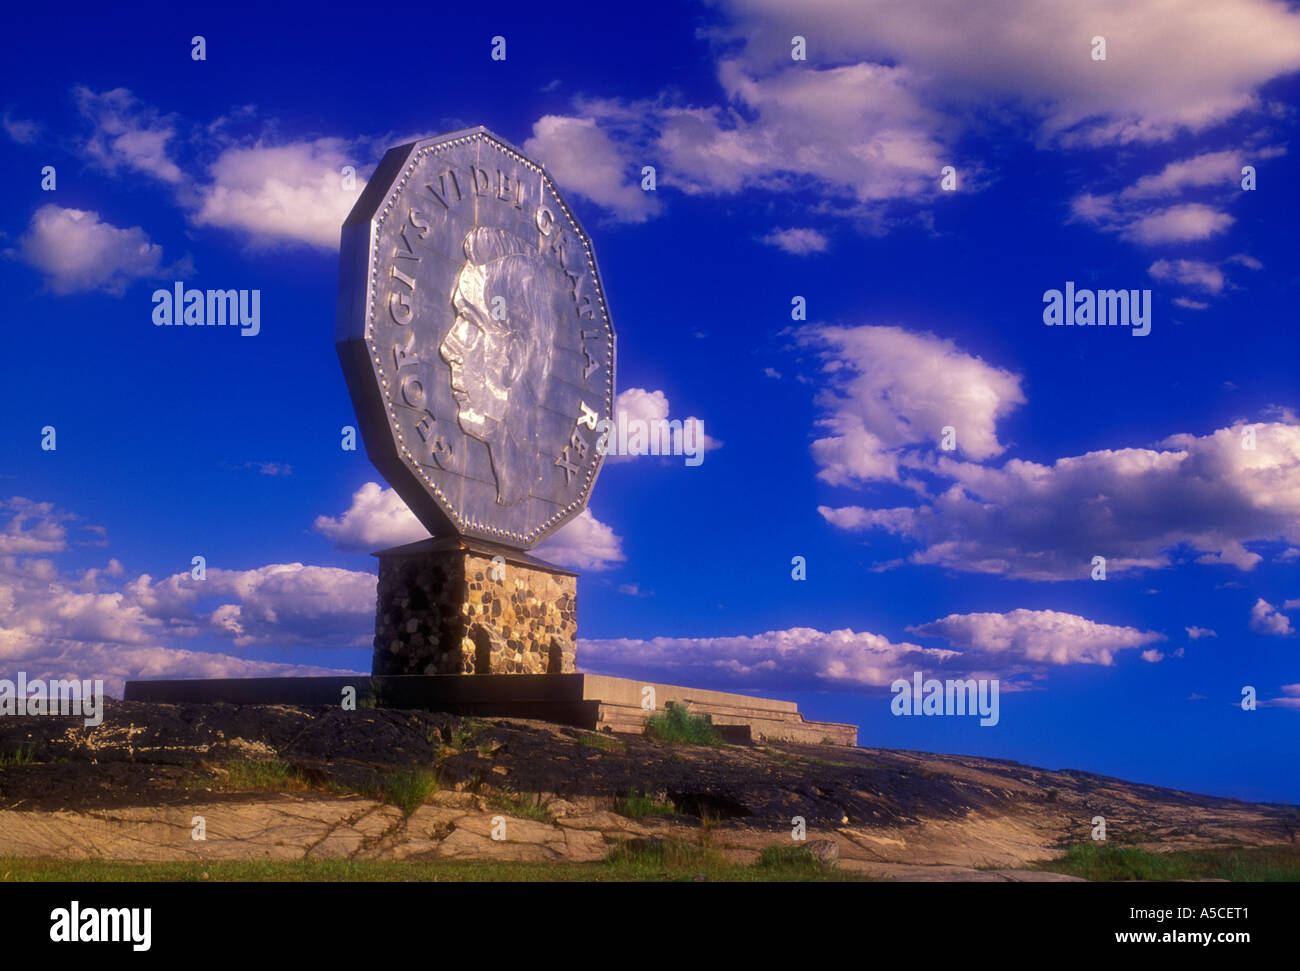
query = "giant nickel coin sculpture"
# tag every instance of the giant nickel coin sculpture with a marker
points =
(475, 339)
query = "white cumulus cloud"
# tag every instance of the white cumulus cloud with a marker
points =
(76, 250)
(791, 660)
(891, 393)
(376, 519)
(583, 159)
(275, 193)
(641, 408)
(1135, 506)
(1267, 619)
(96, 625)
(1037, 636)
(799, 242)
(583, 543)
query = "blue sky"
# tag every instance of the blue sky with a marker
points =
(776, 178)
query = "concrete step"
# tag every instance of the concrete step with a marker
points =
(631, 720)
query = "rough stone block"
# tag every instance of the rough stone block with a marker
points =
(457, 611)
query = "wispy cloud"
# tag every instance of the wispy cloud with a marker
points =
(799, 242)
(127, 134)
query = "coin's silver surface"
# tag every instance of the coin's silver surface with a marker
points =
(475, 338)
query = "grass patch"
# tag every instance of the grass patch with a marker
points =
(791, 759)
(661, 856)
(1102, 861)
(525, 807)
(23, 755)
(434, 738)
(602, 742)
(638, 805)
(463, 737)
(792, 861)
(254, 775)
(679, 727)
(406, 789)
(827, 763)
(629, 864)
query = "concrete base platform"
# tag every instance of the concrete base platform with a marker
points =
(588, 701)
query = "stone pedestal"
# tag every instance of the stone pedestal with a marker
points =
(464, 607)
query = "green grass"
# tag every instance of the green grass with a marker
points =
(602, 742)
(406, 789)
(254, 775)
(827, 763)
(1103, 861)
(792, 860)
(637, 805)
(525, 807)
(679, 727)
(662, 856)
(791, 759)
(675, 862)
(22, 756)
(434, 738)
(464, 736)
(651, 860)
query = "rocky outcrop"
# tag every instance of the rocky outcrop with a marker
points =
(144, 785)
(449, 826)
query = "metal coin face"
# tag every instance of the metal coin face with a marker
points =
(475, 339)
